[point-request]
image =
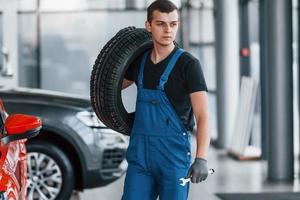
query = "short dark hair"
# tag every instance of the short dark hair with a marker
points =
(164, 6)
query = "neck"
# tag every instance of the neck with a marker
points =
(161, 52)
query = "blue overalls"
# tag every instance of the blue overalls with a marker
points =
(159, 150)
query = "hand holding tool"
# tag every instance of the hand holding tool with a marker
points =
(198, 170)
(183, 181)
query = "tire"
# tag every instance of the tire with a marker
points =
(108, 73)
(41, 154)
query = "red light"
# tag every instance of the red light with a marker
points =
(245, 52)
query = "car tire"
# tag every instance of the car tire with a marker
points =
(39, 154)
(108, 73)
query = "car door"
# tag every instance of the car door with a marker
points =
(8, 43)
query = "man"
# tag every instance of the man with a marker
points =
(171, 88)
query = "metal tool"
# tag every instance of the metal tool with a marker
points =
(183, 181)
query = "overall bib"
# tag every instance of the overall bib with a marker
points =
(159, 150)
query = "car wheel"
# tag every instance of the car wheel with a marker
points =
(50, 173)
(108, 73)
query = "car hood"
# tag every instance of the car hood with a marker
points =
(41, 95)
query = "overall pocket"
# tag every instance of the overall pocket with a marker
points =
(149, 118)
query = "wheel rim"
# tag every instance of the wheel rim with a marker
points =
(44, 179)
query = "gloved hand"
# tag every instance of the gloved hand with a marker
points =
(198, 170)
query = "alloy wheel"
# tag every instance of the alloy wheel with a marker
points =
(44, 179)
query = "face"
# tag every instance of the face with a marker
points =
(163, 27)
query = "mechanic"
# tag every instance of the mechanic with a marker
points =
(171, 91)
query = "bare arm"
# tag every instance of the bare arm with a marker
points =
(126, 83)
(199, 101)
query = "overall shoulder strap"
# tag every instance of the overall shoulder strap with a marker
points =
(141, 69)
(164, 77)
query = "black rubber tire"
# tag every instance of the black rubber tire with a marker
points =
(63, 162)
(108, 73)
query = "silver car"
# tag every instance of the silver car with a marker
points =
(74, 150)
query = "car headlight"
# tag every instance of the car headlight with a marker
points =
(110, 137)
(90, 119)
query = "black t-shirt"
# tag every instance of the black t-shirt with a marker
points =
(185, 78)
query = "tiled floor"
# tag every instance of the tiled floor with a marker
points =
(230, 176)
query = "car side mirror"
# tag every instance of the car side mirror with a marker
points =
(19, 126)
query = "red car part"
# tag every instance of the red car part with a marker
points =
(15, 130)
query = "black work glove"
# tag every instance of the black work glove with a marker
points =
(198, 170)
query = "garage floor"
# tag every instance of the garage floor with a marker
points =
(230, 176)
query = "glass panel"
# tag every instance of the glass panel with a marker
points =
(253, 9)
(176, 2)
(27, 5)
(296, 73)
(141, 4)
(295, 22)
(206, 56)
(254, 21)
(27, 50)
(79, 5)
(1, 5)
(202, 3)
(73, 5)
(71, 42)
(202, 26)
